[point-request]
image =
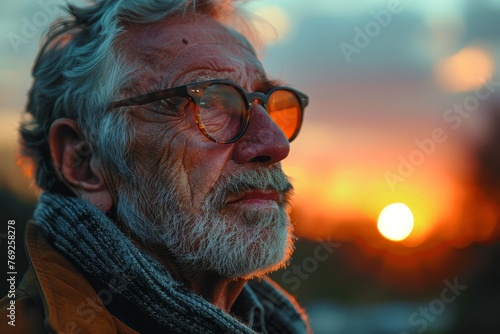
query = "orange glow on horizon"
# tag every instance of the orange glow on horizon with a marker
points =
(331, 199)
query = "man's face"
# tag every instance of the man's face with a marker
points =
(215, 207)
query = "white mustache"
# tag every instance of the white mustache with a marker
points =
(257, 179)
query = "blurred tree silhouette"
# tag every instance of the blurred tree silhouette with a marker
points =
(479, 306)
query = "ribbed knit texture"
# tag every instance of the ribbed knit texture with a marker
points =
(89, 239)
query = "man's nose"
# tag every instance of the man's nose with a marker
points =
(263, 142)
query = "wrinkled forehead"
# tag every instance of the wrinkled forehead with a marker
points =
(190, 48)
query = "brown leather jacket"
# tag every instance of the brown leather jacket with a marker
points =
(54, 297)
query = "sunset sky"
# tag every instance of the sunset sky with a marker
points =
(381, 127)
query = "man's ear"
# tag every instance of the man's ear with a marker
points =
(76, 165)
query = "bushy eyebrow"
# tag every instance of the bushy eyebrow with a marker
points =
(267, 84)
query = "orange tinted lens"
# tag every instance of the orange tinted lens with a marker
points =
(284, 109)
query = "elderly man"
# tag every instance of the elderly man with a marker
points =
(156, 139)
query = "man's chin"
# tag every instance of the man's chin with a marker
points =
(272, 252)
(266, 270)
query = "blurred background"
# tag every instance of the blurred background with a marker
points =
(396, 170)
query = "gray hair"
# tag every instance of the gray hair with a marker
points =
(79, 71)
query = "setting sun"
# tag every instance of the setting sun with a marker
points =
(395, 221)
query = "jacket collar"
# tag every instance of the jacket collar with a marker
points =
(70, 303)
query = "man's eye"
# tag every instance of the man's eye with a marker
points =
(214, 102)
(171, 105)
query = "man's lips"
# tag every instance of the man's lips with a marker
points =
(255, 197)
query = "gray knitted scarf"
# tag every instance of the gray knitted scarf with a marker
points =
(140, 286)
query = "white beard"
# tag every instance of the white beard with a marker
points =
(242, 245)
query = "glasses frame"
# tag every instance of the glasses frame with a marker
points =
(194, 91)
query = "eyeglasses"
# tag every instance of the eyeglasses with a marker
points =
(222, 108)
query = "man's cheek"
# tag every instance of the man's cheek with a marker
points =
(201, 180)
(205, 170)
